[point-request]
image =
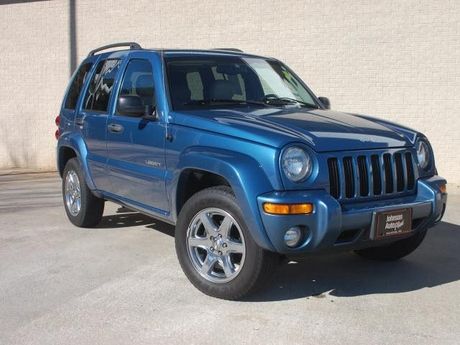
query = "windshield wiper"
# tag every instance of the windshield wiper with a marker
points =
(267, 102)
(235, 101)
(289, 100)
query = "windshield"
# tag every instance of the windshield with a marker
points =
(223, 81)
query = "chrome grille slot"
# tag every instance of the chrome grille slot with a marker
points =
(349, 177)
(376, 176)
(334, 179)
(399, 172)
(363, 180)
(410, 171)
(387, 166)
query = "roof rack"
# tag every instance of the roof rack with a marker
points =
(131, 45)
(229, 49)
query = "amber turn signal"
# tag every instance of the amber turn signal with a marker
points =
(272, 208)
(443, 188)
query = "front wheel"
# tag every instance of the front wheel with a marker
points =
(216, 250)
(395, 250)
(83, 208)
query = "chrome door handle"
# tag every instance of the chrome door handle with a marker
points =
(80, 121)
(115, 128)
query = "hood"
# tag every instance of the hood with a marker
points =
(322, 130)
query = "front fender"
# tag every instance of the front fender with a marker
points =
(244, 174)
(75, 142)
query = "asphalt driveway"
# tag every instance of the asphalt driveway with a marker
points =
(120, 283)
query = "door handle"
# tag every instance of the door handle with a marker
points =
(115, 128)
(80, 120)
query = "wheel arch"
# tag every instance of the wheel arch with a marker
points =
(65, 153)
(193, 180)
(242, 173)
(73, 146)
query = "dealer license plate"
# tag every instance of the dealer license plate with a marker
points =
(392, 223)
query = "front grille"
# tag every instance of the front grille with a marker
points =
(371, 175)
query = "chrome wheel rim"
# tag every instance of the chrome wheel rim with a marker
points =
(215, 245)
(72, 193)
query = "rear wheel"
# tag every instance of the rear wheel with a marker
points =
(216, 250)
(83, 208)
(395, 250)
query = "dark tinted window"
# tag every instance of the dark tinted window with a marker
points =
(98, 95)
(138, 81)
(197, 83)
(76, 86)
(227, 81)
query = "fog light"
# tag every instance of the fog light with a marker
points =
(292, 236)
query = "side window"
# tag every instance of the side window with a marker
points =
(138, 81)
(76, 86)
(101, 85)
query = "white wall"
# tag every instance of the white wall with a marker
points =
(399, 60)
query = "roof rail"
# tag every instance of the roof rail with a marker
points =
(229, 49)
(131, 45)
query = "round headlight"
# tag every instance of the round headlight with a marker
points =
(296, 164)
(423, 154)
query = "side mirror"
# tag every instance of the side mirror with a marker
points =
(149, 113)
(325, 101)
(130, 105)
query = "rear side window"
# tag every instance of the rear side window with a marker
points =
(76, 86)
(100, 87)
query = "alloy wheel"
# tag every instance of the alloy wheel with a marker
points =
(215, 245)
(72, 193)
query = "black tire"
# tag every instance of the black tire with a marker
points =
(258, 264)
(395, 250)
(92, 207)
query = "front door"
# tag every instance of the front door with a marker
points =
(136, 145)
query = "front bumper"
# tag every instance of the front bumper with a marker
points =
(336, 226)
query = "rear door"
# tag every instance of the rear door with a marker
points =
(136, 145)
(93, 115)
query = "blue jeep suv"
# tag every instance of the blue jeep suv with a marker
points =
(239, 154)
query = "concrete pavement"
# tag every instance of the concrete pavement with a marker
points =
(121, 283)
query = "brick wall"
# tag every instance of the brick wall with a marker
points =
(399, 60)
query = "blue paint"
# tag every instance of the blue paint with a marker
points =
(141, 166)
